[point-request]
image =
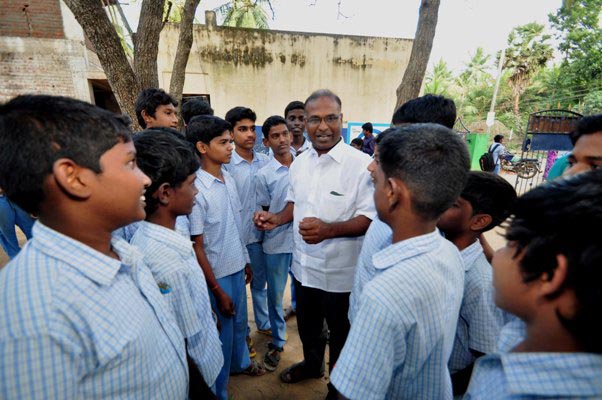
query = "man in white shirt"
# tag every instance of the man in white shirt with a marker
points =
(331, 206)
(497, 149)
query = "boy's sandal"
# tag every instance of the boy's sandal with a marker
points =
(254, 369)
(297, 373)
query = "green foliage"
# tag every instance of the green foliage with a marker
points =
(440, 80)
(592, 103)
(245, 13)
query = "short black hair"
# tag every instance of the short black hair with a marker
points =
(237, 114)
(270, 122)
(204, 128)
(368, 127)
(428, 108)
(498, 138)
(489, 194)
(171, 131)
(562, 217)
(294, 105)
(149, 99)
(37, 130)
(587, 126)
(164, 158)
(323, 93)
(358, 142)
(194, 106)
(431, 160)
(381, 136)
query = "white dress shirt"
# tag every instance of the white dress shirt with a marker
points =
(334, 187)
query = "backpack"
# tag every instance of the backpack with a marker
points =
(486, 161)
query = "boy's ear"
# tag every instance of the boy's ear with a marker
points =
(552, 283)
(147, 118)
(479, 222)
(72, 178)
(201, 147)
(163, 193)
(266, 143)
(396, 192)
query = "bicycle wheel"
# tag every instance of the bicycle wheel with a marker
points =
(525, 170)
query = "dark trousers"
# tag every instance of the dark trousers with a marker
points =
(197, 388)
(313, 307)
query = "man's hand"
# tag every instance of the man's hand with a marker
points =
(265, 221)
(314, 230)
(248, 274)
(224, 303)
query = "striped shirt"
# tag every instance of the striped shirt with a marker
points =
(216, 216)
(244, 174)
(272, 187)
(127, 232)
(75, 323)
(480, 320)
(378, 236)
(174, 266)
(507, 375)
(399, 343)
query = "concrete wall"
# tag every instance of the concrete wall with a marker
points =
(265, 70)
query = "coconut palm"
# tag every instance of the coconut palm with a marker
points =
(245, 13)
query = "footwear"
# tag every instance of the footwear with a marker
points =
(267, 332)
(289, 313)
(252, 352)
(272, 357)
(297, 373)
(254, 369)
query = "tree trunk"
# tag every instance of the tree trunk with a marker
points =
(146, 42)
(421, 51)
(99, 30)
(178, 72)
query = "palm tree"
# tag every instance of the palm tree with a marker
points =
(245, 13)
(440, 80)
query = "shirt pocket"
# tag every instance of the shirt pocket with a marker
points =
(334, 207)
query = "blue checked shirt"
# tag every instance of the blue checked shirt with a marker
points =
(127, 232)
(400, 340)
(76, 324)
(378, 236)
(272, 188)
(216, 216)
(480, 320)
(531, 376)
(174, 266)
(244, 174)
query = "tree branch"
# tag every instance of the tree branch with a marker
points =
(146, 45)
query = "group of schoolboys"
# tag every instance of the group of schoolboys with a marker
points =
(87, 315)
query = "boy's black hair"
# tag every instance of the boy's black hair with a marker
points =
(381, 136)
(238, 114)
(148, 100)
(562, 217)
(323, 93)
(270, 122)
(195, 106)
(358, 142)
(37, 130)
(498, 138)
(368, 127)
(587, 126)
(171, 131)
(431, 160)
(489, 194)
(428, 108)
(164, 158)
(294, 105)
(204, 128)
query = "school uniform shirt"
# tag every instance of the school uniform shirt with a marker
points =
(378, 236)
(173, 263)
(244, 175)
(334, 187)
(77, 324)
(400, 341)
(128, 231)
(216, 216)
(272, 188)
(507, 375)
(294, 152)
(480, 320)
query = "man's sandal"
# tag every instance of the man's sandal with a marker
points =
(254, 369)
(297, 373)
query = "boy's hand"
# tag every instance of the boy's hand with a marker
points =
(314, 230)
(265, 221)
(224, 303)
(248, 274)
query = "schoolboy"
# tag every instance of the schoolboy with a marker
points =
(548, 275)
(428, 108)
(272, 187)
(156, 109)
(587, 145)
(294, 114)
(195, 106)
(81, 311)
(483, 204)
(399, 342)
(219, 248)
(357, 143)
(243, 168)
(171, 164)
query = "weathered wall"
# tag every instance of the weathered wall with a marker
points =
(267, 69)
(33, 18)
